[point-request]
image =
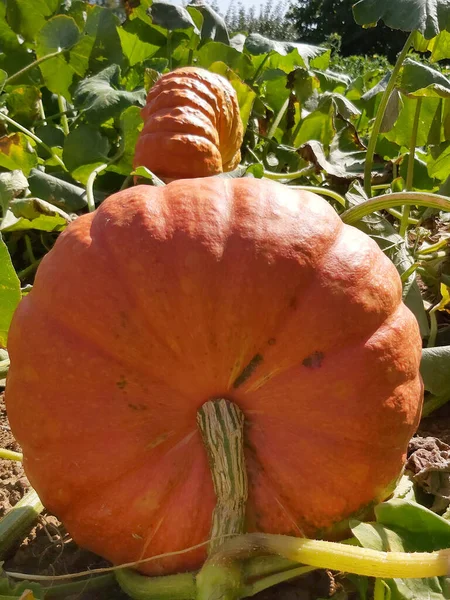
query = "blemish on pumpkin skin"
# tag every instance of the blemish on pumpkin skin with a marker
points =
(122, 383)
(248, 370)
(314, 361)
(137, 406)
(293, 303)
(272, 341)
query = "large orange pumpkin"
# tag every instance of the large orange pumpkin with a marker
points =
(192, 126)
(165, 298)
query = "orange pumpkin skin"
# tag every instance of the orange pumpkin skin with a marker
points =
(160, 301)
(192, 126)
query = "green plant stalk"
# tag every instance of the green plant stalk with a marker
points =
(399, 215)
(10, 455)
(343, 557)
(379, 590)
(169, 50)
(433, 328)
(277, 119)
(18, 521)
(259, 69)
(29, 249)
(171, 587)
(34, 137)
(318, 190)
(93, 176)
(407, 274)
(267, 582)
(354, 214)
(62, 105)
(410, 173)
(380, 114)
(294, 175)
(35, 63)
(24, 273)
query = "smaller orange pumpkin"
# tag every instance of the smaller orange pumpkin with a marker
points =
(192, 126)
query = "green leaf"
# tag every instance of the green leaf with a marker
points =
(214, 27)
(3, 78)
(16, 153)
(59, 33)
(130, 125)
(85, 149)
(34, 213)
(100, 99)
(258, 44)
(147, 174)
(212, 52)
(419, 80)
(434, 370)
(102, 25)
(58, 192)
(28, 17)
(9, 292)
(134, 48)
(400, 133)
(12, 184)
(438, 166)
(427, 16)
(171, 16)
(23, 104)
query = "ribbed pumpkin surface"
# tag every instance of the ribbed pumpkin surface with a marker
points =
(167, 297)
(192, 127)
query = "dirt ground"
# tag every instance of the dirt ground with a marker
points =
(49, 550)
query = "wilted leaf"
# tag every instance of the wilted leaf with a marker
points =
(12, 184)
(100, 99)
(34, 213)
(9, 292)
(17, 153)
(427, 16)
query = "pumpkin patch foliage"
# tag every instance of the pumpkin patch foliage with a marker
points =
(225, 301)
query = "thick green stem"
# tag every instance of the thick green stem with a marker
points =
(62, 105)
(34, 137)
(6, 454)
(354, 214)
(293, 175)
(35, 63)
(410, 173)
(18, 521)
(380, 114)
(221, 424)
(318, 190)
(171, 587)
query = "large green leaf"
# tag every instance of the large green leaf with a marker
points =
(401, 131)
(28, 17)
(59, 33)
(9, 292)
(217, 52)
(435, 371)
(85, 148)
(130, 125)
(213, 27)
(171, 16)
(135, 49)
(418, 80)
(101, 98)
(56, 191)
(258, 44)
(427, 16)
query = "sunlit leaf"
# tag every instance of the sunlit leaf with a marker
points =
(9, 292)
(17, 153)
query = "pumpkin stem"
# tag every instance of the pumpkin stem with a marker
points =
(221, 425)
